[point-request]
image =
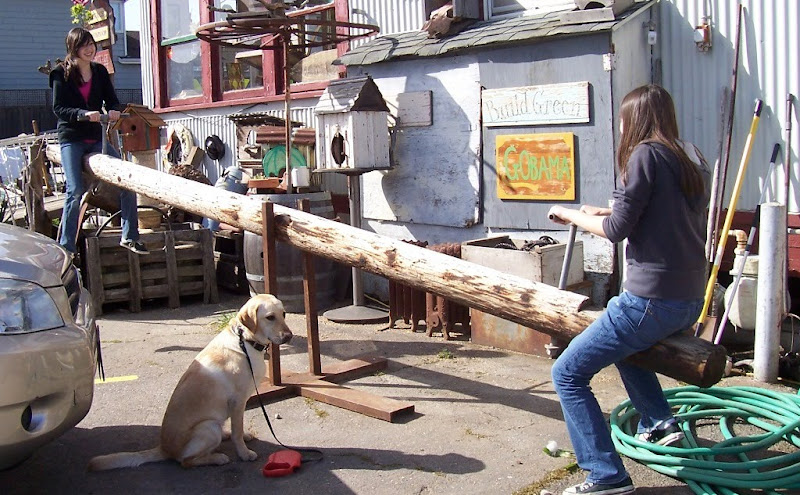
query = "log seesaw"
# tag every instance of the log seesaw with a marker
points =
(542, 307)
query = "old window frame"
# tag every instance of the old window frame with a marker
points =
(211, 81)
(494, 11)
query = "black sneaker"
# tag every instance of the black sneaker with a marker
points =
(666, 436)
(135, 246)
(624, 486)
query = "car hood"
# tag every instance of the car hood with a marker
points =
(26, 255)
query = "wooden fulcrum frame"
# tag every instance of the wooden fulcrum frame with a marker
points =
(321, 384)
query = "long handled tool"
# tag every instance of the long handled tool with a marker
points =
(712, 279)
(747, 248)
(787, 178)
(711, 225)
(721, 172)
(557, 345)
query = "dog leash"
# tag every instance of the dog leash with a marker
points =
(305, 459)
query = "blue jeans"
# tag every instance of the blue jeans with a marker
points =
(629, 324)
(72, 163)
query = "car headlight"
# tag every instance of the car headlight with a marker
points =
(26, 307)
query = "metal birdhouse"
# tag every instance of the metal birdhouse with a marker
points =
(140, 130)
(352, 126)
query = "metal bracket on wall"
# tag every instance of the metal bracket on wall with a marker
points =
(608, 62)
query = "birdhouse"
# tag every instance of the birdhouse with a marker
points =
(140, 129)
(352, 126)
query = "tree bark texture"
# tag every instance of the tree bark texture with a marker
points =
(539, 306)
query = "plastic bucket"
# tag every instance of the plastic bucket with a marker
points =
(290, 259)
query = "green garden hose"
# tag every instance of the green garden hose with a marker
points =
(765, 461)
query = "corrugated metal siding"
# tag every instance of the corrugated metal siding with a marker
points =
(146, 56)
(397, 16)
(768, 70)
(207, 122)
(203, 126)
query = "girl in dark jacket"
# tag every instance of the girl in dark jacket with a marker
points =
(660, 209)
(81, 89)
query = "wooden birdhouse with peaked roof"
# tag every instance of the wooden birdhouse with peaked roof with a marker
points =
(352, 127)
(140, 129)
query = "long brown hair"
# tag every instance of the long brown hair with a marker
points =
(648, 116)
(76, 38)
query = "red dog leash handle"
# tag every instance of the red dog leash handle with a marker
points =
(282, 463)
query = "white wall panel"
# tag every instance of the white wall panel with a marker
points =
(396, 16)
(768, 70)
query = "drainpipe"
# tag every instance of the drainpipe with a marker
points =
(769, 307)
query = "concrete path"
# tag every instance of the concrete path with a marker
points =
(482, 417)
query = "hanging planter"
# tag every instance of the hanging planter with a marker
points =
(80, 12)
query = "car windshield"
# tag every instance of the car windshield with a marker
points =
(26, 307)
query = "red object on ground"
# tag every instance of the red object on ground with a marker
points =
(282, 463)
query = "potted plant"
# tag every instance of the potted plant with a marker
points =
(80, 12)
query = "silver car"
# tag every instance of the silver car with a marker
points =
(48, 344)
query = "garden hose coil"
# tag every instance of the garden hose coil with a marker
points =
(768, 461)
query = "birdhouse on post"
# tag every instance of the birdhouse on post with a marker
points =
(352, 127)
(140, 129)
(140, 132)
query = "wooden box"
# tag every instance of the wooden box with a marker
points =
(229, 261)
(180, 263)
(542, 264)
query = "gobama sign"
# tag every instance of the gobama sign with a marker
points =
(536, 166)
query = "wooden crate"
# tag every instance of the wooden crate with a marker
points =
(229, 260)
(180, 263)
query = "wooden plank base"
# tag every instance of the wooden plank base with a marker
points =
(325, 388)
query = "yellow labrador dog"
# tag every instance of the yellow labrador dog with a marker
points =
(216, 387)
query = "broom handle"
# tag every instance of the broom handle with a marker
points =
(712, 279)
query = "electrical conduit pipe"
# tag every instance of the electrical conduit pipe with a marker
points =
(769, 305)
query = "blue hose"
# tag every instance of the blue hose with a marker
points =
(766, 461)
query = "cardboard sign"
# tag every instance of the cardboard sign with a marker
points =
(535, 105)
(104, 57)
(97, 15)
(536, 166)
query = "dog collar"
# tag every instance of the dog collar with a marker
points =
(258, 346)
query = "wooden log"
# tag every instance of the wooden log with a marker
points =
(539, 306)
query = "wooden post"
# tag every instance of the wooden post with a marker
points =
(174, 297)
(532, 304)
(310, 300)
(270, 283)
(48, 182)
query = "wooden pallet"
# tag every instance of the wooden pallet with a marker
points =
(180, 263)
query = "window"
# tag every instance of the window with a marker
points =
(132, 26)
(181, 48)
(240, 68)
(126, 28)
(508, 8)
(191, 71)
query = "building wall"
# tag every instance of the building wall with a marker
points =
(769, 68)
(435, 180)
(32, 32)
(203, 123)
(444, 188)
